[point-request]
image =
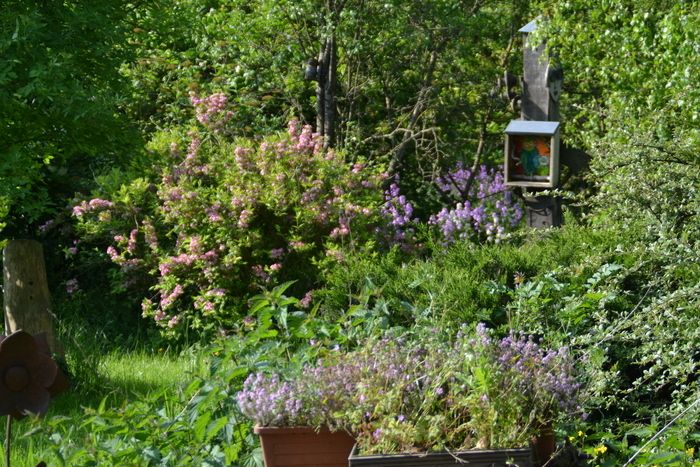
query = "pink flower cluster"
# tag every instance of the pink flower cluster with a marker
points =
(167, 299)
(95, 204)
(211, 110)
(229, 216)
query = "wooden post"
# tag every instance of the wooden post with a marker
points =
(26, 292)
(541, 85)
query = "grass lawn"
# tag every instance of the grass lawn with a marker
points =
(120, 377)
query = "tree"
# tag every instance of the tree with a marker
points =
(636, 106)
(60, 95)
(632, 100)
(414, 80)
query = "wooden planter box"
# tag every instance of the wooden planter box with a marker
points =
(304, 447)
(472, 458)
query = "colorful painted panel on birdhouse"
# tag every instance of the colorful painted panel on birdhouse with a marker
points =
(530, 157)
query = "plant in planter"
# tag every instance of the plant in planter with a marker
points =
(479, 399)
(294, 416)
(423, 401)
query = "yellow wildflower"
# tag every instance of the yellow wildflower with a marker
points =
(600, 449)
(690, 452)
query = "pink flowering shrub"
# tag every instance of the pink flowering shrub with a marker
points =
(223, 217)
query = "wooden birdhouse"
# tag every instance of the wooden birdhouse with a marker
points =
(532, 154)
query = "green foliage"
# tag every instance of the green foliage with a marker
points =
(183, 411)
(627, 307)
(629, 312)
(653, 443)
(634, 106)
(59, 97)
(196, 423)
(460, 283)
(415, 80)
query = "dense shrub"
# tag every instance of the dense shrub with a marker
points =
(630, 313)
(459, 283)
(221, 219)
(228, 218)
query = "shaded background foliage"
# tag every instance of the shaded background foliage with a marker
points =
(61, 99)
(84, 84)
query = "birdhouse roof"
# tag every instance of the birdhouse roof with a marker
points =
(529, 27)
(532, 127)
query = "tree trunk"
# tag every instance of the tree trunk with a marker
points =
(320, 90)
(26, 292)
(325, 91)
(329, 98)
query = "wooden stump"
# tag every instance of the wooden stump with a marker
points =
(26, 291)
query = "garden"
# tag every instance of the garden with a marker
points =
(260, 216)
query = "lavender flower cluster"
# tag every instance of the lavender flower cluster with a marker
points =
(270, 401)
(312, 397)
(374, 392)
(398, 211)
(541, 371)
(545, 377)
(389, 391)
(486, 208)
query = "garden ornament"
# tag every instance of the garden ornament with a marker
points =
(29, 377)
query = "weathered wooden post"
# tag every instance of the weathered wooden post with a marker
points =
(532, 143)
(26, 292)
(542, 80)
(325, 91)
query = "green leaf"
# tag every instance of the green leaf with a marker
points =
(200, 426)
(215, 427)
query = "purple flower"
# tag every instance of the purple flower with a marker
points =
(43, 228)
(486, 211)
(401, 225)
(72, 286)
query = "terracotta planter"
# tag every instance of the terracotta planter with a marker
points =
(544, 445)
(304, 447)
(472, 458)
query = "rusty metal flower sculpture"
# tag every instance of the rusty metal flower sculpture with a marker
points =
(28, 375)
